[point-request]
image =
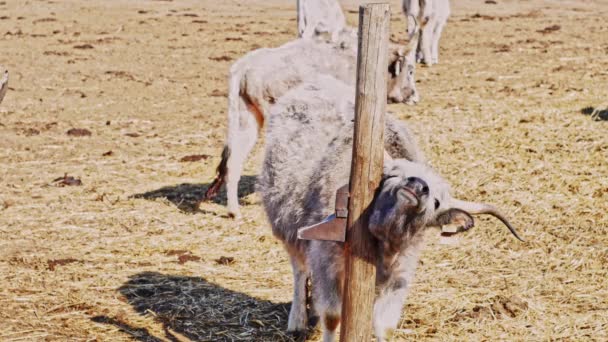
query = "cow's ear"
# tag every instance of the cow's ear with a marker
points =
(455, 220)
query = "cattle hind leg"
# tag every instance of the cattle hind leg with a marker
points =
(298, 316)
(301, 18)
(426, 42)
(327, 298)
(239, 147)
(234, 154)
(435, 45)
(387, 311)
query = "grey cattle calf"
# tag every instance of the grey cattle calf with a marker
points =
(261, 77)
(307, 158)
(320, 16)
(3, 82)
(432, 16)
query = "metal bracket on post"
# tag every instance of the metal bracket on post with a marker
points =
(333, 228)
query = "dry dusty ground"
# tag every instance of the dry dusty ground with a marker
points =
(505, 118)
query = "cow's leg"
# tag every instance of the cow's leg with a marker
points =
(435, 45)
(418, 51)
(310, 30)
(297, 314)
(327, 289)
(301, 18)
(387, 309)
(239, 145)
(426, 42)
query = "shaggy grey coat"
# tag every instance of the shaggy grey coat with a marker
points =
(307, 158)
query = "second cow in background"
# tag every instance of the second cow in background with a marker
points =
(261, 77)
(317, 17)
(433, 15)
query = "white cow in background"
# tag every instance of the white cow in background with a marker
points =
(317, 17)
(434, 15)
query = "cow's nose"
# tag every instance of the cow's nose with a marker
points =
(395, 97)
(417, 185)
(407, 94)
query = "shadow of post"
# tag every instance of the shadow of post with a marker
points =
(186, 196)
(140, 334)
(202, 311)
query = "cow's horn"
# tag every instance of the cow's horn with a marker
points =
(482, 208)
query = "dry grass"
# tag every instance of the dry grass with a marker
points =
(514, 115)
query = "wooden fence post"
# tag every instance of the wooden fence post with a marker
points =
(366, 171)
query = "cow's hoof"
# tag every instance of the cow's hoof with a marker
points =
(297, 335)
(236, 215)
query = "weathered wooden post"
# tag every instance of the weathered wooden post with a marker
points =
(366, 171)
(349, 223)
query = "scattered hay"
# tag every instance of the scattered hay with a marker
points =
(505, 128)
(549, 29)
(28, 132)
(204, 311)
(52, 264)
(66, 181)
(79, 132)
(498, 307)
(218, 93)
(194, 158)
(84, 47)
(225, 260)
(221, 58)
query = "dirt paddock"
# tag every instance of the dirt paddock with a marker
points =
(515, 114)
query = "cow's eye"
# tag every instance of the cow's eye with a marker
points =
(437, 204)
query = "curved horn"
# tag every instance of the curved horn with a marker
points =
(482, 208)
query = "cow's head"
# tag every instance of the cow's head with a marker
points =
(412, 196)
(401, 86)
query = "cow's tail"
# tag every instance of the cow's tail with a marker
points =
(235, 106)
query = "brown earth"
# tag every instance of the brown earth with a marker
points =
(515, 115)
